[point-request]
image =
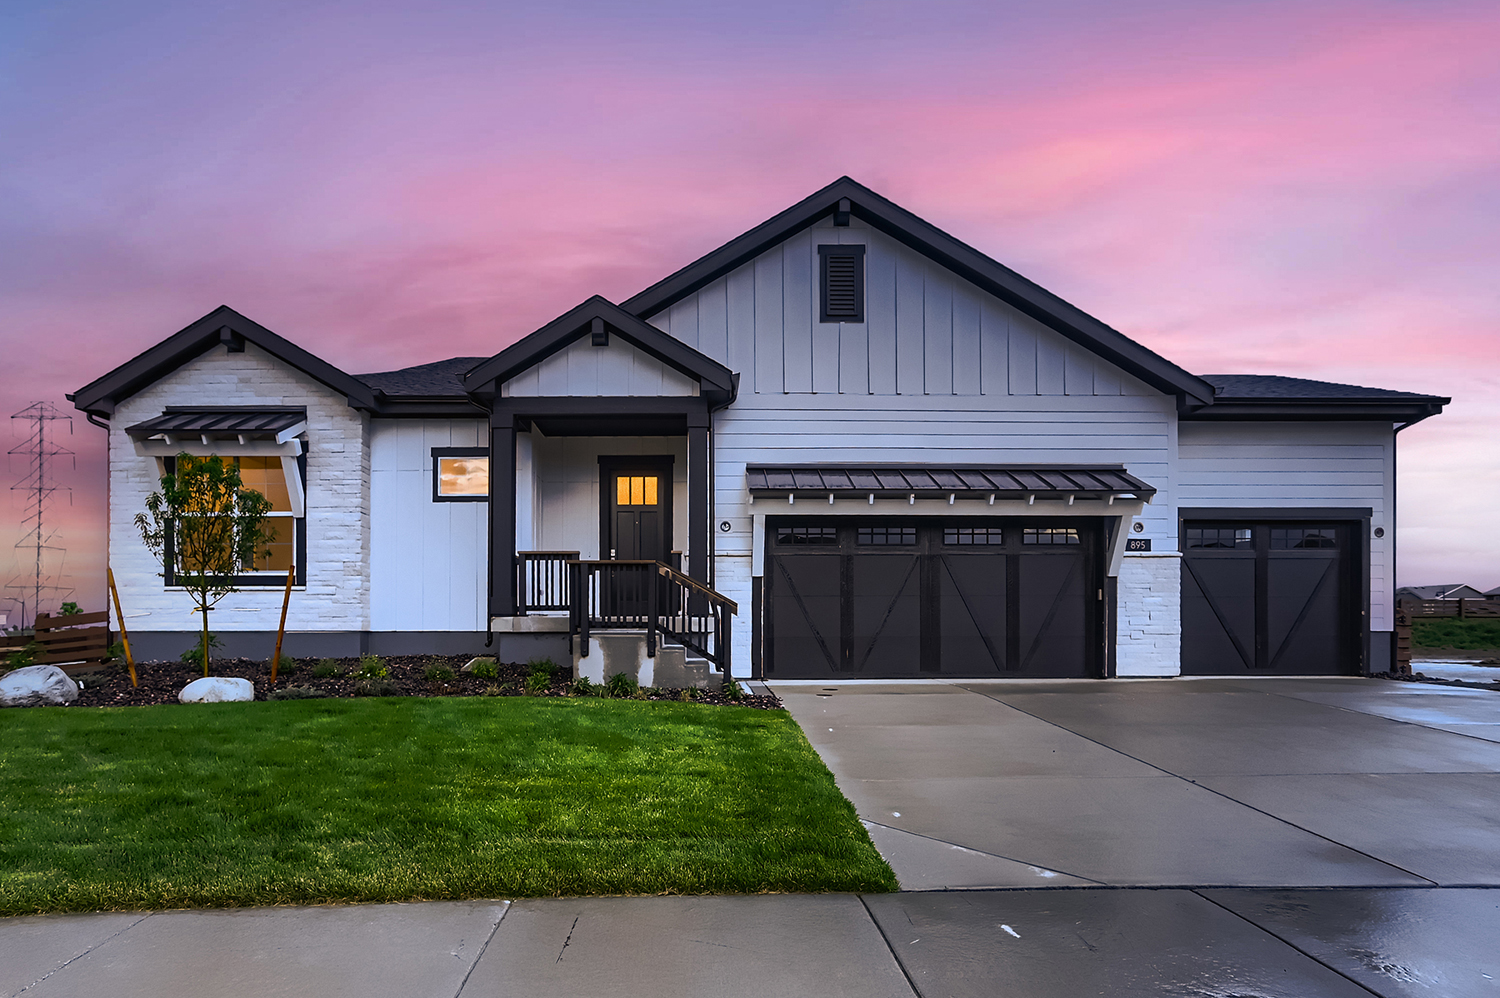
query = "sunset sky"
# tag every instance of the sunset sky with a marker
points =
(1297, 188)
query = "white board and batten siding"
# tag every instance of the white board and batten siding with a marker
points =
(427, 559)
(581, 369)
(939, 373)
(1272, 464)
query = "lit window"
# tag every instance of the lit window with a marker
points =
(635, 490)
(1049, 535)
(460, 474)
(266, 475)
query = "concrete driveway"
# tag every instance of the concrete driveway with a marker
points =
(1170, 783)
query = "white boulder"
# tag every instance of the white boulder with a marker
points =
(216, 689)
(37, 685)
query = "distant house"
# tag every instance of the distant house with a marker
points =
(1452, 590)
(1493, 593)
(890, 455)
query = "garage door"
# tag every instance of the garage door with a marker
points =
(1268, 598)
(916, 598)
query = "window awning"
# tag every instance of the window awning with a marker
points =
(244, 431)
(1029, 484)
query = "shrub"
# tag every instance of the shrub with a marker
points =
(543, 666)
(438, 673)
(537, 683)
(732, 690)
(326, 667)
(68, 609)
(584, 687)
(195, 653)
(687, 695)
(372, 667)
(114, 651)
(286, 665)
(374, 687)
(493, 690)
(296, 693)
(484, 668)
(23, 657)
(621, 685)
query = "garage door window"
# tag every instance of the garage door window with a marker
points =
(806, 535)
(887, 536)
(1294, 538)
(967, 536)
(1222, 538)
(1050, 535)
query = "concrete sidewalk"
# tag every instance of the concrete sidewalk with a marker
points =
(1038, 944)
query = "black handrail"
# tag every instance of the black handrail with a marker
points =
(542, 579)
(650, 596)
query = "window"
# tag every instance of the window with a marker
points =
(887, 536)
(843, 279)
(636, 490)
(288, 543)
(1222, 538)
(807, 535)
(1291, 538)
(1049, 535)
(973, 535)
(460, 474)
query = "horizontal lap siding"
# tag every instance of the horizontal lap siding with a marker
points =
(1269, 464)
(427, 559)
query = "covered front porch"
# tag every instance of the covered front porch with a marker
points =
(601, 496)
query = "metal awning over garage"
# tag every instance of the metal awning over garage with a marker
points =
(957, 482)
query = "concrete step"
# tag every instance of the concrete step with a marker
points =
(613, 652)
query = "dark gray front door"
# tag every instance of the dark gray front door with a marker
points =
(1268, 598)
(637, 511)
(923, 597)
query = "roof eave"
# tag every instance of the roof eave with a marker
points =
(1317, 409)
(223, 325)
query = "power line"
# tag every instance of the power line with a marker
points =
(39, 486)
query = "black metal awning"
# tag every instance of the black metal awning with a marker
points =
(928, 482)
(206, 424)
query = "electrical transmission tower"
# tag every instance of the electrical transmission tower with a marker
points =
(37, 486)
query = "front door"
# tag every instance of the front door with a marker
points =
(636, 503)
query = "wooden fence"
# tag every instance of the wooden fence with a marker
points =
(67, 642)
(1463, 609)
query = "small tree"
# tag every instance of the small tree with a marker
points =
(205, 528)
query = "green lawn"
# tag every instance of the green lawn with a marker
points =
(394, 799)
(1450, 632)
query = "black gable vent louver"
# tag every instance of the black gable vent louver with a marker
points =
(843, 283)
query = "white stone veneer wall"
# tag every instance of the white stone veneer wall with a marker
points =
(1148, 638)
(336, 597)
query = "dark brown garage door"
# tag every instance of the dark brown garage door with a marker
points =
(1268, 598)
(919, 597)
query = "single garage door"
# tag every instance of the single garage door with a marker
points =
(913, 598)
(1268, 598)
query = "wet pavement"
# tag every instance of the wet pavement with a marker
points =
(1216, 838)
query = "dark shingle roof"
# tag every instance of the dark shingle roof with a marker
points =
(1275, 386)
(438, 379)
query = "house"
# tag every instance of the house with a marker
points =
(1452, 590)
(843, 444)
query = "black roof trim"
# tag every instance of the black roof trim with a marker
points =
(957, 256)
(1048, 481)
(715, 380)
(223, 325)
(1256, 387)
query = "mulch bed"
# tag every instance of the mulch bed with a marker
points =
(160, 682)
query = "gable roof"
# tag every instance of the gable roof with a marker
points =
(1272, 396)
(221, 326)
(716, 382)
(932, 242)
(1451, 590)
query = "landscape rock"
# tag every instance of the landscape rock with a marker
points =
(217, 689)
(37, 686)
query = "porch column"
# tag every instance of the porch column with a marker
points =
(698, 485)
(502, 514)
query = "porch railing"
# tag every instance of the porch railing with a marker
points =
(656, 598)
(542, 580)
